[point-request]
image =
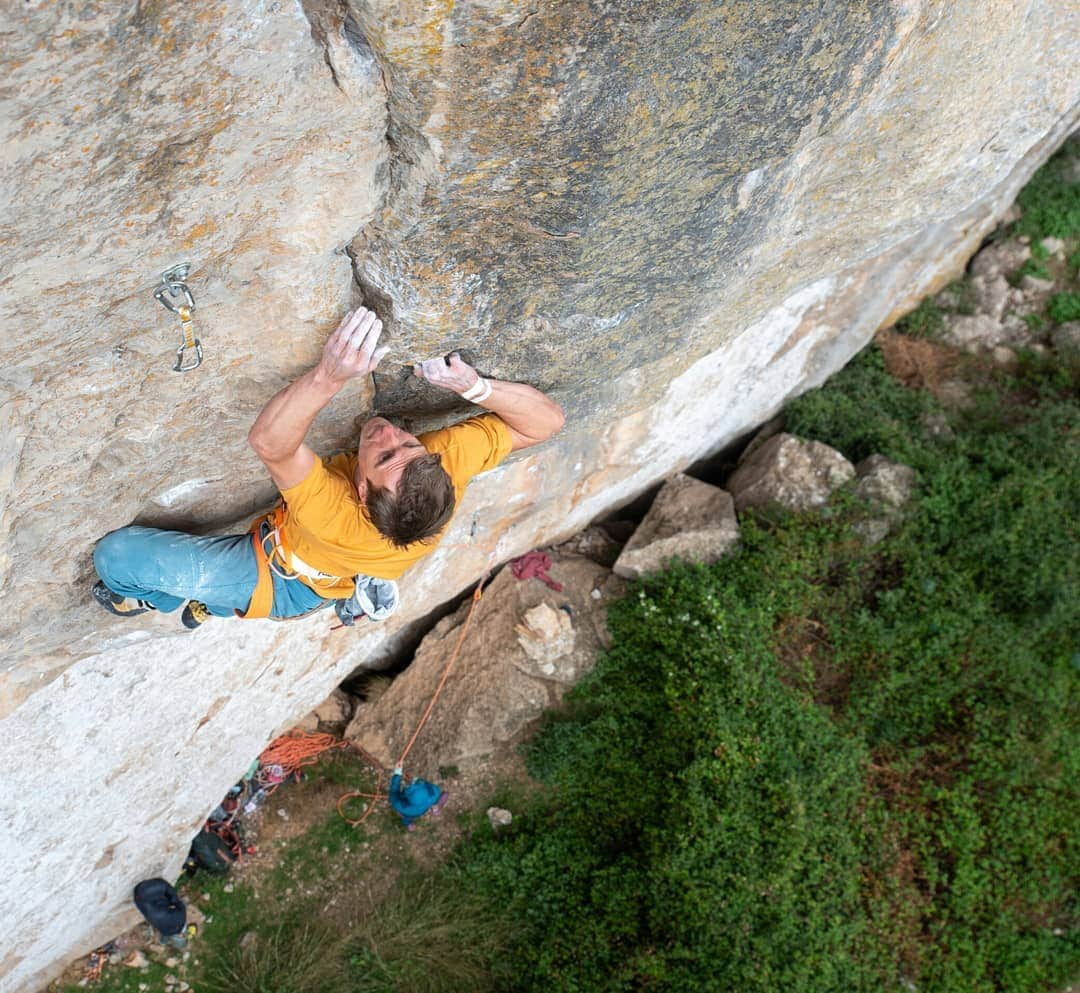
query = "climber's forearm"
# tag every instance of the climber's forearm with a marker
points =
(532, 416)
(280, 429)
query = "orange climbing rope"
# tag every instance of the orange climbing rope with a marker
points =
(294, 750)
(380, 770)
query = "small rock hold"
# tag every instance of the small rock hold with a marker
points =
(136, 960)
(596, 594)
(1053, 246)
(283, 813)
(172, 962)
(228, 888)
(499, 818)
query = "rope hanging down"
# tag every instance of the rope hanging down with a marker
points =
(287, 755)
(380, 770)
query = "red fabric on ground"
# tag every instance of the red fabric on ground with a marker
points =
(534, 565)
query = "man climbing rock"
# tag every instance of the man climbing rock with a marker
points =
(348, 525)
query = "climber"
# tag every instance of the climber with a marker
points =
(349, 525)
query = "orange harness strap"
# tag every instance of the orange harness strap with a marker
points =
(262, 598)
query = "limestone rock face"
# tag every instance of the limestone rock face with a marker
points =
(674, 216)
(688, 520)
(789, 472)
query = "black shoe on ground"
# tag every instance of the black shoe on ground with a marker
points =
(114, 603)
(195, 613)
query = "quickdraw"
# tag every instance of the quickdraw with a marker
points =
(174, 287)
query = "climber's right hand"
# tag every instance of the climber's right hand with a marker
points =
(352, 350)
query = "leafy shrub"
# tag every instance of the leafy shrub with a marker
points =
(1032, 267)
(1062, 307)
(818, 766)
(925, 321)
(1051, 199)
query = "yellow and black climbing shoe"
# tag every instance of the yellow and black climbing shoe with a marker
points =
(194, 614)
(114, 603)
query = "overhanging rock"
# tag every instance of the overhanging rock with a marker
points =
(672, 215)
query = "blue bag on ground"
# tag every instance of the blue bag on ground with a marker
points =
(414, 800)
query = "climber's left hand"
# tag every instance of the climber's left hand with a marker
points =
(449, 373)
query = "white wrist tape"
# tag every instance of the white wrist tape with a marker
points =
(478, 392)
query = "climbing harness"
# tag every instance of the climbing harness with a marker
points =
(271, 556)
(173, 287)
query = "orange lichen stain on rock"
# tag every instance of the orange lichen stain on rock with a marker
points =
(197, 233)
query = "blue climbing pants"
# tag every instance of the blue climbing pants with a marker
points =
(165, 568)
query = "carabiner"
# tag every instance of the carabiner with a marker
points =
(178, 365)
(174, 289)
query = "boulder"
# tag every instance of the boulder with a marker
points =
(936, 425)
(1004, 356)
(1000, 259)
(973, 332)
(884, 485)
(1035, 289)
(526, 645)
(1066, 340)
(789, 472)
(885, 488)
(546, 636)
(688, 520)
(991, 295)
(335, 709)
(955, 393)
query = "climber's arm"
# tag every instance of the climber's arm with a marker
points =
(277, 436)
(531, 416)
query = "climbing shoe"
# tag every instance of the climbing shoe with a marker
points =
(114, 603)
(194, 614)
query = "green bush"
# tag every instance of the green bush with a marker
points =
(1062, 307)
(928, 319)
(817, 765)
(1051, 200)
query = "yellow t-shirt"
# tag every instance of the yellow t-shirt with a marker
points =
(328, 526)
